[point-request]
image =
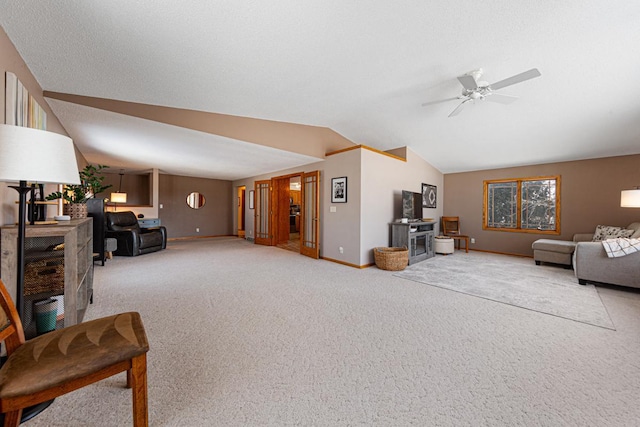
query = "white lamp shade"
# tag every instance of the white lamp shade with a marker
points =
(630, 198)
(35, 155)
(119, 197)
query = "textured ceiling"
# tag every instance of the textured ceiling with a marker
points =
(361, 68)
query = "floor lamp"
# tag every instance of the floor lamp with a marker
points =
(28, 156)
(119, 197)
(32, 155)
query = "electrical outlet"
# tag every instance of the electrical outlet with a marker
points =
(473, 240)
(341, 250)
(161, 206)
(197, 230)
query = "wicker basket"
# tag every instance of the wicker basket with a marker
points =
(46, 275)
(393, 259)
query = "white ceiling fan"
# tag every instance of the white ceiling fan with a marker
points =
(476, 89)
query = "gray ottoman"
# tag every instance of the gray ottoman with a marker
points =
(110, 246)
(553, 251)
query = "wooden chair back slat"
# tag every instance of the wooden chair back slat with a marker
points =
(11, 333)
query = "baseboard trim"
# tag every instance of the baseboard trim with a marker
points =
(348, 264)
(501, 253)
(199, 237)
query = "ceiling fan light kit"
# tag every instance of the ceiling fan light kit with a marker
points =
(475, 89)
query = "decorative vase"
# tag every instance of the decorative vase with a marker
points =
(75, 210)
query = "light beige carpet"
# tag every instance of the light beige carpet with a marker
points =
(515, 281)
(244, 335)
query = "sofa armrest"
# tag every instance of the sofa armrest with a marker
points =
(163, 231)
(583, 237)
(591, 264)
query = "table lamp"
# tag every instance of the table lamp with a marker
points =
(630, 198)
(33, 155)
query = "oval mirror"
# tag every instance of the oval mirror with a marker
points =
(195, 200)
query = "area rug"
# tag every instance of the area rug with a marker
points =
(515, 281)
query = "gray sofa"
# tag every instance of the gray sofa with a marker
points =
(591, 264)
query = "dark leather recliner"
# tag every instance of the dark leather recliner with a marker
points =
(133, 240)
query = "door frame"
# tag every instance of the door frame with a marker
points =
(310, 212)
(309, 233)
(262, 194)
(242, 191)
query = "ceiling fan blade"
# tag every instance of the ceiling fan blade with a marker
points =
(468, 81)
(439, 101)
(459, 108)
(500, 98)
(532, 73)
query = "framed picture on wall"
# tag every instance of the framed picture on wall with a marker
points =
(339, 190)
(429, 196)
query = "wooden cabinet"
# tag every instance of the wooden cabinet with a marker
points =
(416, 236)
(295, 197)
(58, 263)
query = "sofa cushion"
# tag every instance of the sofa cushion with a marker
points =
(122, 221)
(604, 232)
(559, 246)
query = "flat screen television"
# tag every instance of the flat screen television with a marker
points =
(411, 205)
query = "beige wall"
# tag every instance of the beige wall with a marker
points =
(10, 60)
(341, 229)
(213, 219)
(137, 186)
(249, 183)
(590, 195)
(383, 179)
(374, 187)
(312, 141)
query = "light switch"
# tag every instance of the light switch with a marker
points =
(332, 209)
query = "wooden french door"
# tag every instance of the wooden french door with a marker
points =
(280, 208)
(263, 212)
(265, 206)
(310, 218)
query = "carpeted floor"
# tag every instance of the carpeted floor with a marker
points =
(244, 335)
(515, 281)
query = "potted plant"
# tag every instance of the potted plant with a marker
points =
(76, 196)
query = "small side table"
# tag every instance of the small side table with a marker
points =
(443, 246)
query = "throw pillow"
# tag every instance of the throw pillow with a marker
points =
(634, 226)
(604, 232)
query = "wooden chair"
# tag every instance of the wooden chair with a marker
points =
(450, 225)
(67, 359)
(451, 228)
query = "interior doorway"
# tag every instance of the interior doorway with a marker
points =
(287, 212)
(290, 218)
(241, 207)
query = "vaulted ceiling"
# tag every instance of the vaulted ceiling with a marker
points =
(292, 75)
